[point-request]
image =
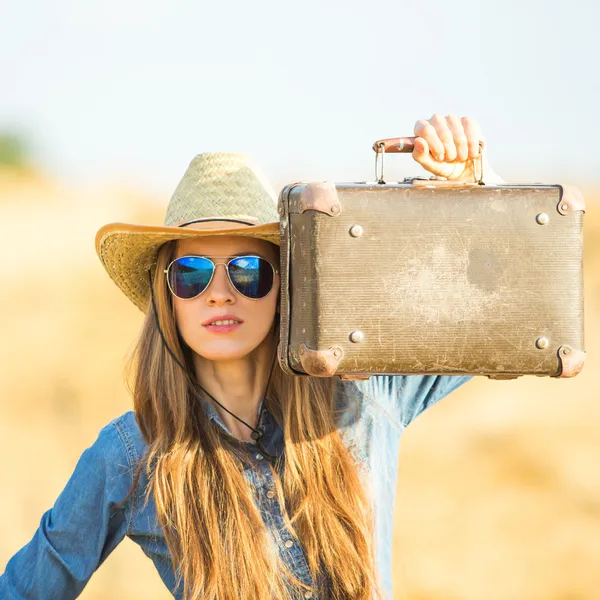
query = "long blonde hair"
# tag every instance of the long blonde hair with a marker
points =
(213, 529)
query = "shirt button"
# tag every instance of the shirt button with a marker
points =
(259, 457)
(270, 494)
(289, 543)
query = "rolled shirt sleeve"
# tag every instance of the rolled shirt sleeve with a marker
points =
(83, 527)
(405, 397)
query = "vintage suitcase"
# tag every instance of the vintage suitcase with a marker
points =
(430, 276)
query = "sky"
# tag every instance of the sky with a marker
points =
(130, 90)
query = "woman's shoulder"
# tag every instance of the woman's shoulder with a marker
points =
(116, 455)
(130, 434)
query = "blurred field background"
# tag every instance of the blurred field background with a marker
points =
(498, 496)
(103, 106)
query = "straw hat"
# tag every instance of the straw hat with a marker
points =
(220, 194)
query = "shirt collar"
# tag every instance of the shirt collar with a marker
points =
(273, 438)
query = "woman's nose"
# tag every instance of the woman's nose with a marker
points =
(220, 287)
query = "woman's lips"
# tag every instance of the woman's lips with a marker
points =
(222, 328)
(219, 323)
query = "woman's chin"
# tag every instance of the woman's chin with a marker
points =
(224, 351)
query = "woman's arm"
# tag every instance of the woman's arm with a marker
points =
(402, 398)
(448, 147)
(82, 528)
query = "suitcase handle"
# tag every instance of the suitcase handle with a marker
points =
(403, 144)
(406, 145)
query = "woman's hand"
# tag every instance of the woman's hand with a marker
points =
(449, 147)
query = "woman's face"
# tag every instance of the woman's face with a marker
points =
(220, 297)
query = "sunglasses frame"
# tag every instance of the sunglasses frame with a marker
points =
(231, 258)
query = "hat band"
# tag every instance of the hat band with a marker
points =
(208, 220)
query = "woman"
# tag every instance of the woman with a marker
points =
(237, 480)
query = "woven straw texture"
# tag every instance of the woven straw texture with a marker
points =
(215, 185)
(222, 184)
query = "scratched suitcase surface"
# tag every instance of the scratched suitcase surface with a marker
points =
(431, 277)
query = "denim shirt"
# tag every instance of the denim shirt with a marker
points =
(83, 527)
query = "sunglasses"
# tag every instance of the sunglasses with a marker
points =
(251, 276)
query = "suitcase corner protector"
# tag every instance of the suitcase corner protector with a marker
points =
(571, 361)
(571, 200)
(320, 363)
(321, 196)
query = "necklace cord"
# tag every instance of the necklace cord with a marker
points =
(257, 433)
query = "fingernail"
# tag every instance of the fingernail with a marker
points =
(441, 157)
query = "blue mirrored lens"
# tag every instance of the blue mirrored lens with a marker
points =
(252, 276)
(190, 275)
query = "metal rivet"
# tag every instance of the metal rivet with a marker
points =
(335, 209)
(336, 352)
(289, 543)
(308, 595)
(542, 218)
(259, 457)
(357, 336)
(356, 231)
(564, 207)
(542, 343)
(566, 350)
(270, 494)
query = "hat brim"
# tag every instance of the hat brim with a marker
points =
(128, 251)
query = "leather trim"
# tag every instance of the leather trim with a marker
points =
(284, 268)
(571, 361)
(321, 196)
(571, 200)
(393, 145)
(320, 363)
